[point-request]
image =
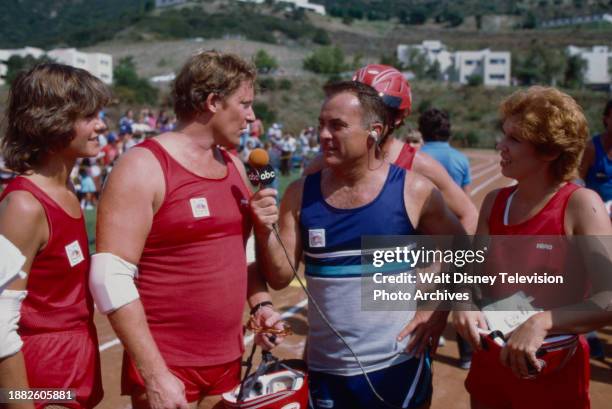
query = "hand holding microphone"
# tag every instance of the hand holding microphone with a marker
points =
(263, 202)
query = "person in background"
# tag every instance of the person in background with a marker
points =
(435, 127)
(596, 171)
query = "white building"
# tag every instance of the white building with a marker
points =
(598, 62)
(572, 21)
(492, 66)
(301, 4)
(433, 50)
(100, 65)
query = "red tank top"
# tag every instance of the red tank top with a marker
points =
(192, 275)
(542, 247)
(58, 297)
(405, 157)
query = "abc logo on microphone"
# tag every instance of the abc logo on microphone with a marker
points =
(261, 177)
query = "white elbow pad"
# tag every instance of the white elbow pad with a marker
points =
(111, 281)
(10, 304)
(11, 262)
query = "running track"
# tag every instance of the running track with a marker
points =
(448, 378)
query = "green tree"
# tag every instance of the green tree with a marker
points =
(131, 88)
(453, 17)
(16, 64)
(326, 60)
(392, 60)
(433, 71)
(417, 63)
(574, 72)
(474, 80)
(540, 65)
(321, 37)
(264, 112)
(264, 62)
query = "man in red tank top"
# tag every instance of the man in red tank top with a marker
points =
(52, 119)
(177, 210)
(545, 133)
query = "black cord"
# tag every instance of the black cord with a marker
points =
(329, 325)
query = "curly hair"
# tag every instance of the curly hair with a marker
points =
(205, 73)
(553, 122)
(43, 105)
(434, 125)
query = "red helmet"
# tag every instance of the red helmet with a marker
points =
(390, 84)
(275, 385)
(553, 354)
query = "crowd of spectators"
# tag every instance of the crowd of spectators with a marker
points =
(287, 152)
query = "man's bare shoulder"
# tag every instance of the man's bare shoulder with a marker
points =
(21, 205)
(292, 198)
(137, 173)
(426, 165)
(418, 185)
(137, 163)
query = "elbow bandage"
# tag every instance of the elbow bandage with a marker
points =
(11, 262)
(10, 304)
(111, 281)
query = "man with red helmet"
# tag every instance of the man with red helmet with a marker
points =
(323, 217)
(394, 90)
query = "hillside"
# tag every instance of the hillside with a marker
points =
(82, 23)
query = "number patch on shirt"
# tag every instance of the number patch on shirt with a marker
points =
(74, 253)
(316, 238)
(199, 207)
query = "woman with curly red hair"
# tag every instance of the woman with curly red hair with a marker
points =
(545, 133)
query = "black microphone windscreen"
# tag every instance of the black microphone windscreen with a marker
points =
(267, 175)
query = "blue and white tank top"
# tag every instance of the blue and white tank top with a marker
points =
(331, 239)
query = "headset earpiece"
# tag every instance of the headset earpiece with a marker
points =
(374, 135)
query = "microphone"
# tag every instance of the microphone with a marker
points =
(259, 172)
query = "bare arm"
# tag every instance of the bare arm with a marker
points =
(585, 216)
(133, 192)
(23, 222)
(587, 219)
(456, 199)
(274, 262)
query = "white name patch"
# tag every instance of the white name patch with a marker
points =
(316, 237)
(199, 207)
(74, 253)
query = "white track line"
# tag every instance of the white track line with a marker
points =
(297, 307)
(485, 171)
(485, 184)
(482, 165)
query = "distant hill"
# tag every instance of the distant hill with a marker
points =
(66, 22)
(81, 23)
(411, 11)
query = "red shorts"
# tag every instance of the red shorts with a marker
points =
(65, 360)
(199, 381)
(492, 384)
